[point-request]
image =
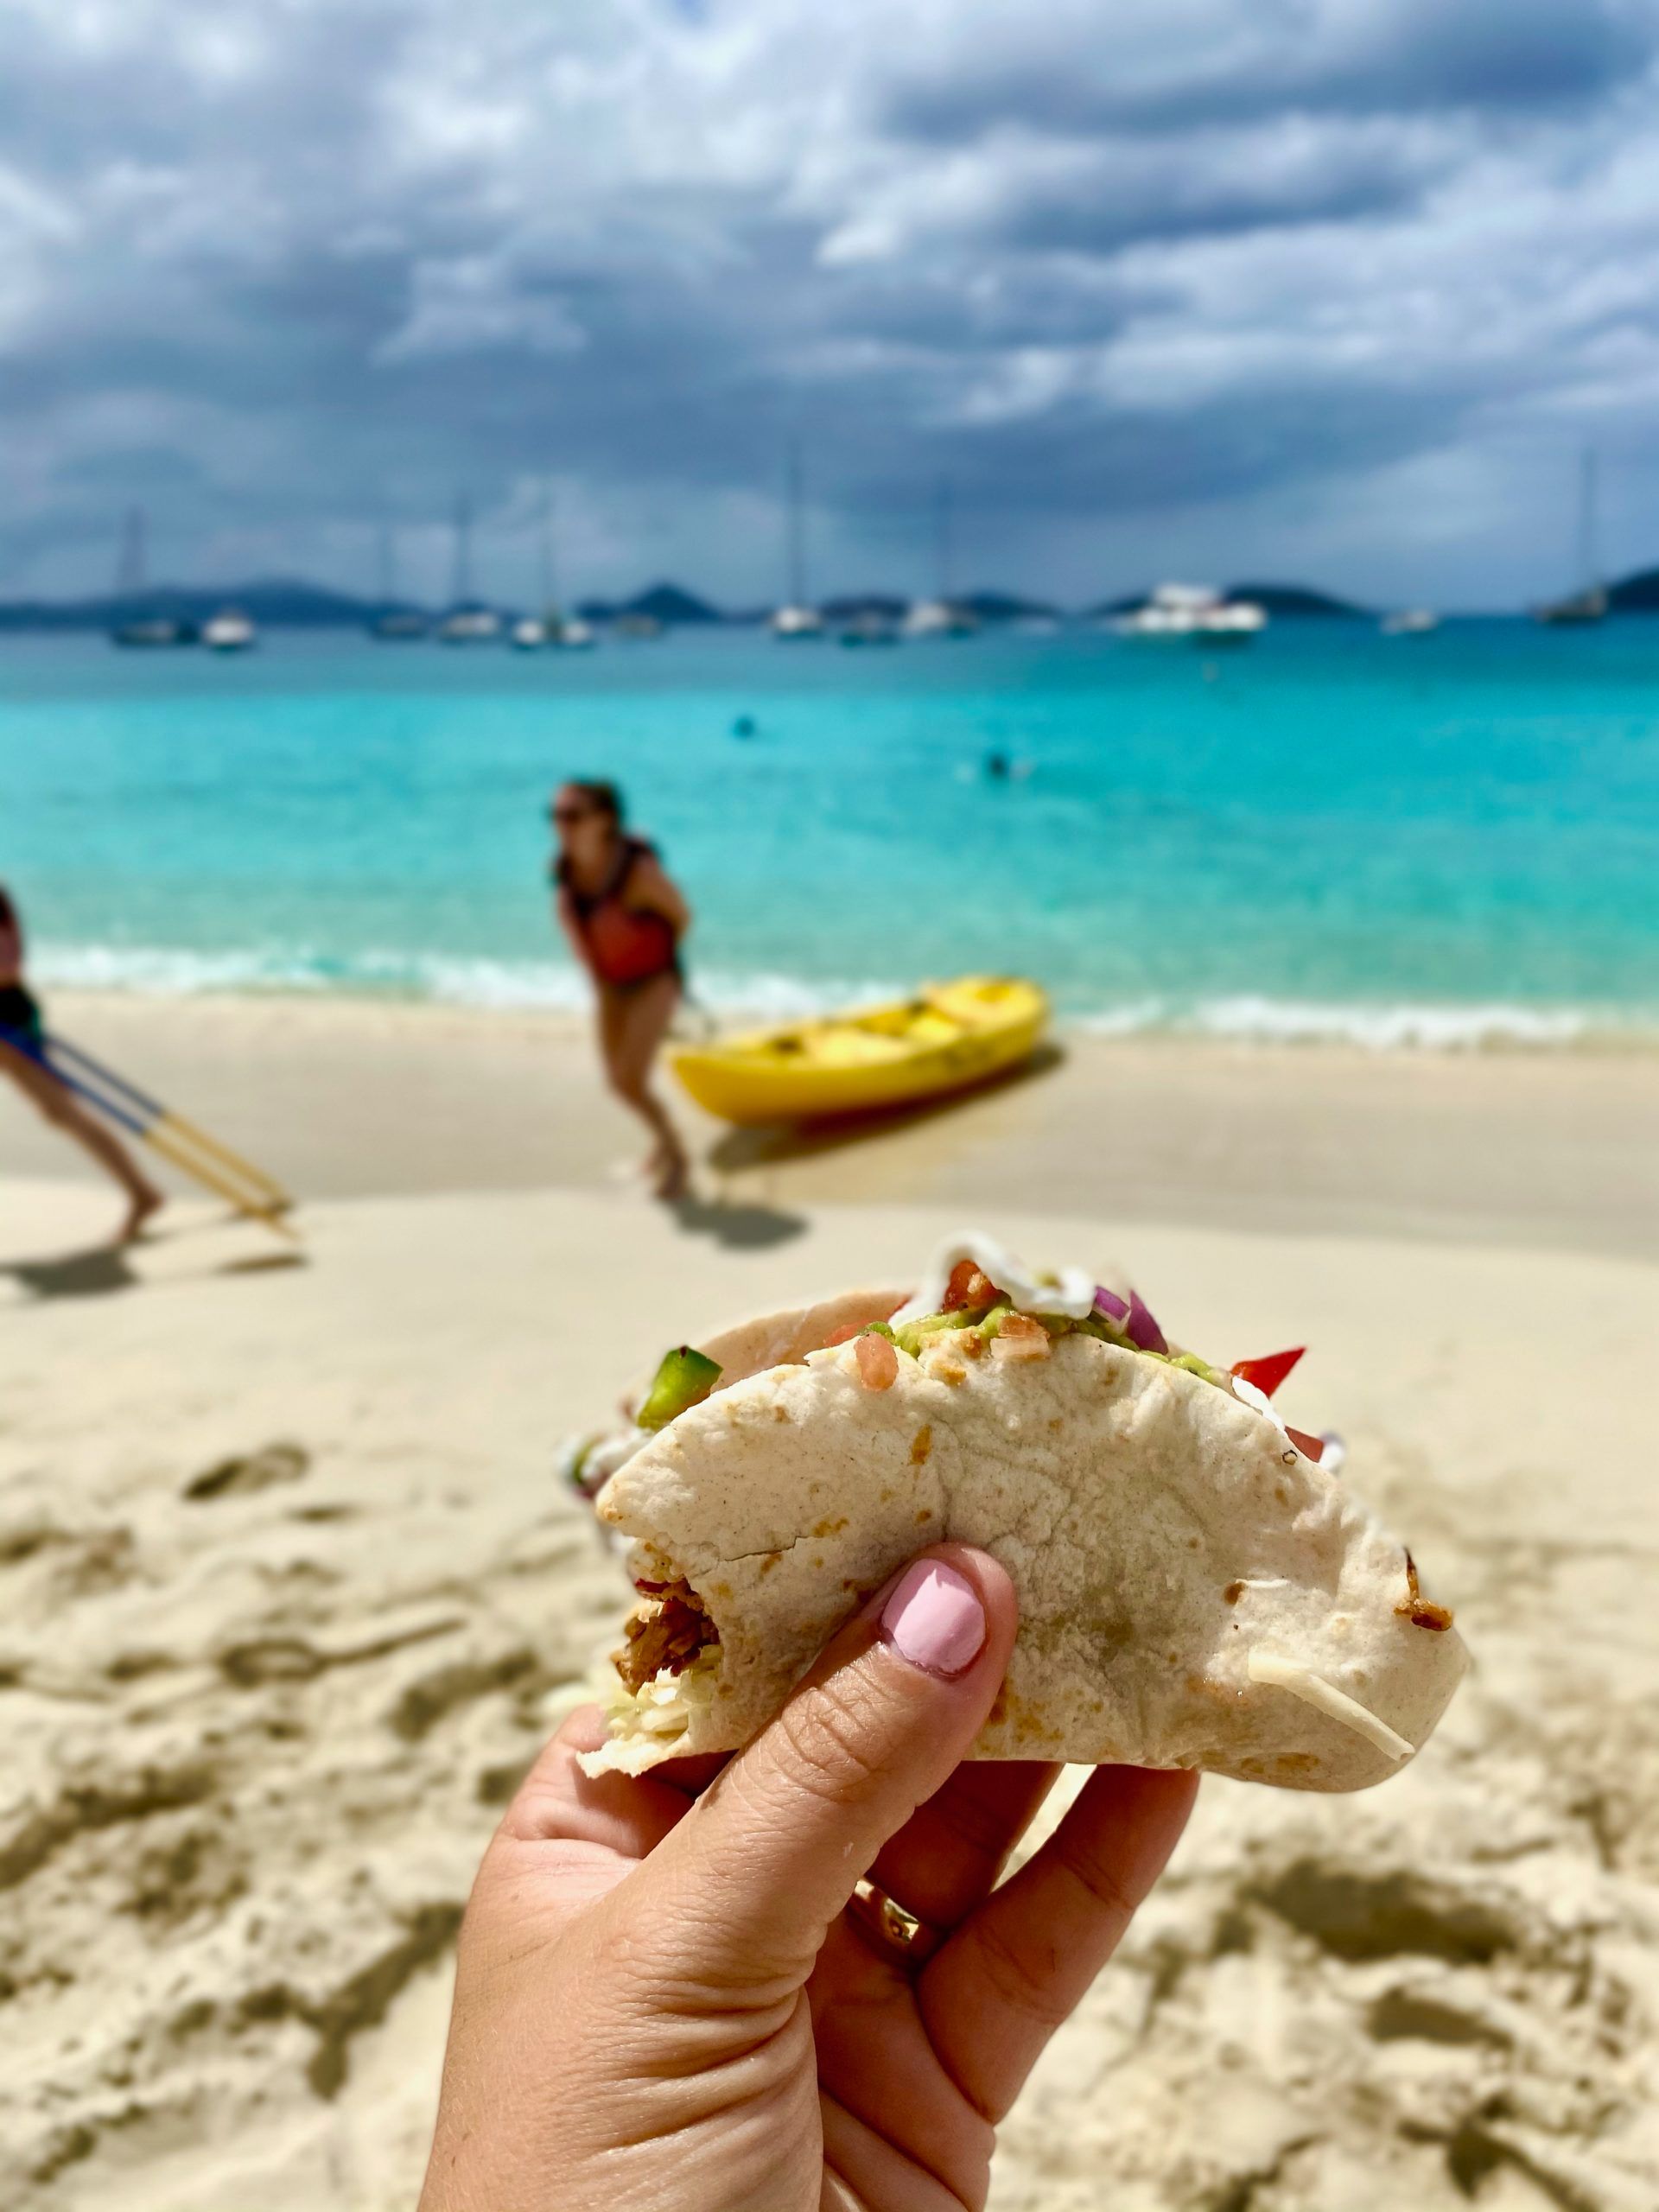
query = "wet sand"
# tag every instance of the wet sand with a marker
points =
(350, 1098)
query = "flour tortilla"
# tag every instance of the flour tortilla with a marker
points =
(784, 1339)
(1194, 1591)
(589, 1461)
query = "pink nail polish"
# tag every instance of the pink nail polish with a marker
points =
(934, 1619)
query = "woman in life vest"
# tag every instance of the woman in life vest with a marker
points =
(23, 1043)
(625, 921)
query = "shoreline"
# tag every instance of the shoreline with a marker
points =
(495, 989)
(340, 1098)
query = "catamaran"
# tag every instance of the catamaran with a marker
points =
(942, 616)
(1191, 613)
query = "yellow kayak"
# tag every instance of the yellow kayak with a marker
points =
(949, 1036)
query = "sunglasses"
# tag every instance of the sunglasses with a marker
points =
(563, 816)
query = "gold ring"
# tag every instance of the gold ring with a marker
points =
(893, 1931)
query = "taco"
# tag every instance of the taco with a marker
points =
(1196, 1588)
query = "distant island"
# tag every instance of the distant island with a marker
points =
(669, 604)
(1298, 601)
(277, 603)
(283, 603)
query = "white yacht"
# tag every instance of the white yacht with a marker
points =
(1180, 612)
(574, 635)
(230, 631)
(1410, 622)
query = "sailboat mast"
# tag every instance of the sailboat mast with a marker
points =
(129, 568)
(549, 564)
(388, 562)
(942, 546)
(1589, 562)
(463, 579)
(797, 545)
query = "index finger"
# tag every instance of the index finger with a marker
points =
(1020, 1965)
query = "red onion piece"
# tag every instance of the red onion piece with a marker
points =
(1109, 1303)
(1142, 1329)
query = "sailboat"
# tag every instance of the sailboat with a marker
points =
(137, 627)
(1589, 603)
(943, 616)
(530, 632)
(467, 622)
(394, 625)
(796, 620)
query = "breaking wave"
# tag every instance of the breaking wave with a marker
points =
(556, 987)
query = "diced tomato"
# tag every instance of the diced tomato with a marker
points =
(1268, 1374)
(968, 1287)
(1311, 1447)
(878, 1362)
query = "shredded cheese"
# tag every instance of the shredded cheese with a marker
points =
(1270, 1667)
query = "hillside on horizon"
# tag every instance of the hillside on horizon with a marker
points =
(287, 602)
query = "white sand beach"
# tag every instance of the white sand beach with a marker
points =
(288, 1594)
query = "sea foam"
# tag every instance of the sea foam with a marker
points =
(553, 985)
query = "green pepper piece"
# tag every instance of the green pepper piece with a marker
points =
(686, 1378)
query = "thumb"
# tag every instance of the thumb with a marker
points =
(770, 1855)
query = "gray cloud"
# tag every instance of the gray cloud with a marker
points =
(1332, 284)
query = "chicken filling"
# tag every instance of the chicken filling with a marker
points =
(664, 1634)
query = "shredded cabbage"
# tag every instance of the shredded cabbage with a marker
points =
(662, 1709)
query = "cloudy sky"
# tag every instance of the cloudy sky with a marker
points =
(1333, 290)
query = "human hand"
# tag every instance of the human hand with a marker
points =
(663, 2001)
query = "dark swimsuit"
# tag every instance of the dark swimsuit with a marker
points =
(629, 947)
(20, 1013)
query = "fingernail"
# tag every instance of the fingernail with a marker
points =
(934, 1619)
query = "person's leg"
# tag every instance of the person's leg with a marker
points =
(60, 1106)
(632, 1026)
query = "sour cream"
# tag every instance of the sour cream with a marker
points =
(1074, 1295)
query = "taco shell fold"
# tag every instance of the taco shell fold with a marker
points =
(1194, 1591)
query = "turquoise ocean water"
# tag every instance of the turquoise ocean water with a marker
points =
(1431, 840)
